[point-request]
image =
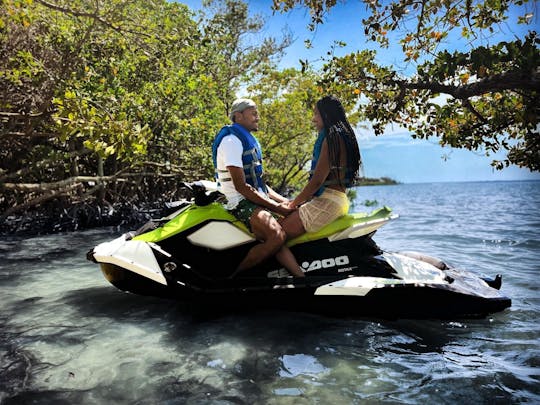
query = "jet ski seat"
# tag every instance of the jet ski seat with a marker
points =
(351, 225)
(348, 226)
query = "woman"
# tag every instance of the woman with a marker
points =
(334, 167)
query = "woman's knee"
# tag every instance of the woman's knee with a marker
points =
(292, 225)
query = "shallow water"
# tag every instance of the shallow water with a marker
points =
(67, 336)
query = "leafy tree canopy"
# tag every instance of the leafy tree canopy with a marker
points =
(470, 87)
(106, 102)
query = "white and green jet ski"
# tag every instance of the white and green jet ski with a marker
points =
(192, 255)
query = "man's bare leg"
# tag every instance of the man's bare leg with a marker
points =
(286, 258)
(266, 229)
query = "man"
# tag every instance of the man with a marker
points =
(238, 163)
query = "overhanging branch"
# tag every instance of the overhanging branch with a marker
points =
(515, 80)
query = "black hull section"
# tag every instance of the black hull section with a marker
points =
(345, 278)
(412, 302)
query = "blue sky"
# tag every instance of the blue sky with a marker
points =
(394, 154)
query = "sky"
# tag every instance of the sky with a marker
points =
(394, 154)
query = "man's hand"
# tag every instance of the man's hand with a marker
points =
(285, 208)
(276, 196)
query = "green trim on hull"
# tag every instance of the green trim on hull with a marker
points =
(189, 218)
(196, 215)
(340, 224)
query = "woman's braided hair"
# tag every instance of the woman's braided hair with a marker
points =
(338, 127)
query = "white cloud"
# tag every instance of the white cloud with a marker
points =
(393, 136)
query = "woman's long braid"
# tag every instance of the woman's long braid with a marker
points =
(338, 127)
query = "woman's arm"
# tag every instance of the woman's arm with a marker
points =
(321, 172)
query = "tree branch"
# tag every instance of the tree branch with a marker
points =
(504, 81)
(93, 16)
(60, 184)
(27, 169)
(39, 200)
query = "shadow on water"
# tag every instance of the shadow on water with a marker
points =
(106, 301)
(229, 357)
(185, 321)
(249, 350)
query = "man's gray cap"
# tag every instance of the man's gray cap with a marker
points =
(240, 105)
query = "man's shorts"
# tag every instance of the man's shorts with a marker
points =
(243, 211)
(322, 210)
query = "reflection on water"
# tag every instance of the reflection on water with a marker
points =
(66, 336)
(300, 364)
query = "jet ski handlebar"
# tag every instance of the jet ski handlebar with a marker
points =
(202, 192)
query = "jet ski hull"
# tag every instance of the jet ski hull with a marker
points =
(391, 302)
(351, 278)
(192, 255)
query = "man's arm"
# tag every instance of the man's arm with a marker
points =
(276, 196)
(251, 194)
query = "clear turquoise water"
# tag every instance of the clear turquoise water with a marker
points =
(68, 337)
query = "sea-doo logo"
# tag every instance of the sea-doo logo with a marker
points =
(326, 263)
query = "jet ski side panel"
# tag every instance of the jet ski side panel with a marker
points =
(317, 258)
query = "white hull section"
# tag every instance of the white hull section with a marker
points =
(411, 272)
(133, 255)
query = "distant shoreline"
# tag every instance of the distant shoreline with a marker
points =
(383, 181)
(469, 181)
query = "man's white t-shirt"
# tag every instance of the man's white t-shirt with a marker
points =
(229, 153)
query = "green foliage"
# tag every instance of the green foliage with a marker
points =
(484, 97)
(125, 93)
(231, 53)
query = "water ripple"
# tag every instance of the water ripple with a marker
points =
(66, 336)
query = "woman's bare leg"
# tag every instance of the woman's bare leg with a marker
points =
(292, 225)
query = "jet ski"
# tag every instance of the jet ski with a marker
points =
(192, 254)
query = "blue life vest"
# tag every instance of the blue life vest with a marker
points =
(251, 157)
(347, 181)
(315, 158)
